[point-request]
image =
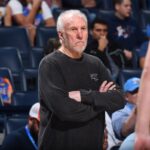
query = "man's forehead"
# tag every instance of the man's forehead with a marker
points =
(75, 23)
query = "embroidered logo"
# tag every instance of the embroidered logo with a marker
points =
(94, 76)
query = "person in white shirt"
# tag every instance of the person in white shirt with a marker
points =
(26, 13)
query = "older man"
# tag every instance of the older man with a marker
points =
(75, 89)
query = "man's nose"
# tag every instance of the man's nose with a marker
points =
(80, 34)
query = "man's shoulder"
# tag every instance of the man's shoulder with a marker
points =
(51, 58)
(90, 57)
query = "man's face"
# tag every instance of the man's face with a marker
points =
(124, 9)
(75, 34)
(99, 30)
(132, 96)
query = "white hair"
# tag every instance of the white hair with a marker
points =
(66, 15)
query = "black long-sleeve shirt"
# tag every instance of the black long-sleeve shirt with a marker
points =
(65, 123)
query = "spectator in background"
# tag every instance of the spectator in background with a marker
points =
(99, 45)
(125, 32)
(26, 137)
(27, 14)
(123, 120)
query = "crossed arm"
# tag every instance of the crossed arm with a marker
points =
(76, 95)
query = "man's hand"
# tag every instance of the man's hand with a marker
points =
(102, 43)
(128, 54)
(75, 95)
(142, 142)
(105, 86)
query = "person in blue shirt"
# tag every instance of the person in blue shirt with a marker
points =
(123, 120)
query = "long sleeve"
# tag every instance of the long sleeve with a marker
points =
(54, 95)
(108, 101)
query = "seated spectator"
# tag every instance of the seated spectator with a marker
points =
(125, 32)
(26, 137)
(28, 14)
(123, 120)
(99, 45)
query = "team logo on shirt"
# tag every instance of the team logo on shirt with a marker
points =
(122, 32)
(94, 76)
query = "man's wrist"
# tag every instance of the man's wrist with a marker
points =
(85, 98)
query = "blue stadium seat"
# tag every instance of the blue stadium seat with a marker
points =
(43, 34)
(144, 18)
(17, 37)
(38, 54)
(14, 123)
(107, 4)
(145, 4)
(125, 74)
(25, 98)
(10, 58)
(105, 14)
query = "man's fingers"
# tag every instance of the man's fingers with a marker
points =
(112, 87)
(107, 86)
(102, 87)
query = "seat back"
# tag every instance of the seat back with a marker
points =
(10, 58)
(14, 123)
(144, 18)
(105, 14)
(43, 34)
(125, 74)
(107, 4)
(70, 4)
(145, 4)
(16, 37)
(25, 98)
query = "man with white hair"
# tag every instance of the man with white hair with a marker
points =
(75, 89)
(25, 138)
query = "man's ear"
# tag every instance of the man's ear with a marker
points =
(60, 35)
(117, 7)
